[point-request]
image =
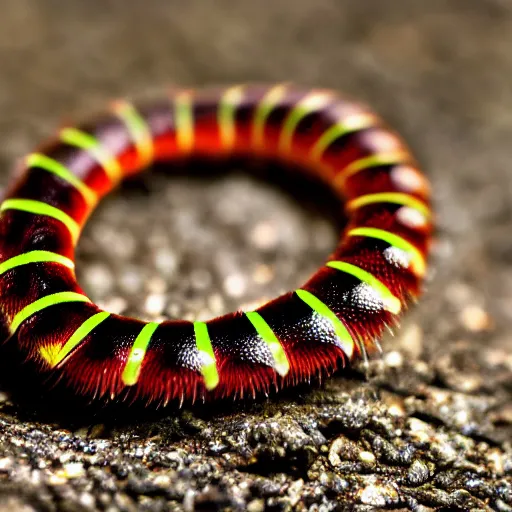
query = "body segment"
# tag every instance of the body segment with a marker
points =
(338, 315)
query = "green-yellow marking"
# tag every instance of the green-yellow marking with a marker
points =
(346, 340)
(351, 124)
(417, 260)
(55, 354)
(35, 257)
(311, 103)
(184, 119)
(42, 303)
(376, 160)
(390, 197)
(391, 303)
(204, 345)
(139, 130)
(131, 370)
(226, 115)
(282, 366)
(87, 142)
(54, 167)
(40, 208)
(265, 107)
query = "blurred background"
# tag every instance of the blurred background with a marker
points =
(439, 71)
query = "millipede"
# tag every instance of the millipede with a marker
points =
(336, 317)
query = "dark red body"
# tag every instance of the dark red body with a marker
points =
(169, 369)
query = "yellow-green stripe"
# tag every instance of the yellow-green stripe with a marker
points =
(346, 340)
(204, 345)
(138, 129)
(351, 124)
(265, 107)
(282, 366)
(184, 120)
(418, 265)
(226, 115)
(87, 142)
(391, 303)
(311, 103)
(390, 197)
(43, 303)
(40, 208)
(395, 157)
(55, 167)
(54, 354)
(137, 353)
(35, 257)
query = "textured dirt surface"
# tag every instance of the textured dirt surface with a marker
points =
(427, 427)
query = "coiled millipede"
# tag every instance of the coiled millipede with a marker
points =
(338, 315)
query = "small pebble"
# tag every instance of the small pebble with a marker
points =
(114, 305)
(419, 429)
(203, 315)
(216, 304)
(459, 293)
(324, 236)
(156, 285)
(264, 236)
(411, 340)
(367, 457)
(72, 470)
(166, 262)
(461, 418)
(130, 281)
(253, 304)
(98, 277)
(263, 274)
(475, 319)
(394, 359)
(163, 481)
(496, 460)
(6, 463)
(235, 285)
(418, 473)
(155, 304)
(378, 495)
(174, 310)
(200, 279)
(87, 500)
(256, 506)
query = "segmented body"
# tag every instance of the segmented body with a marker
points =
(336, 316)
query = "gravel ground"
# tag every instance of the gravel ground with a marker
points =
(427, 427)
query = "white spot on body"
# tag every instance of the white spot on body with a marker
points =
(205, 358)
(382, 141)
(316, 100)
(411, 217)
(137, 355)
(397, 257)
(408, 179)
